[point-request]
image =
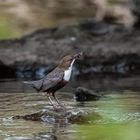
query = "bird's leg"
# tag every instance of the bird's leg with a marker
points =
(54, 106)
(57, 101)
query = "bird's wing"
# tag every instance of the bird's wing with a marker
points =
(52, 79)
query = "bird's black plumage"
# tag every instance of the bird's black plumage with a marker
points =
(50, 83)
(57, 78)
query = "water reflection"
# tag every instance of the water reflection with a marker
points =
(20, 104)
(96, 82)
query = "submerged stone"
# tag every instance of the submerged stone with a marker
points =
(83, 94)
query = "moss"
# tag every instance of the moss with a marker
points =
(6, 31)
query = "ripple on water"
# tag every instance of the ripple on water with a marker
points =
(114, 109)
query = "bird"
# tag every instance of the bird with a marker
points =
(56, 79)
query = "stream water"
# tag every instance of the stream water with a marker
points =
(116, 116)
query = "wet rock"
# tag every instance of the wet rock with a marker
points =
(46, 136)
(122, 65)
(49, 45)
(136, 6)
(76, 116)
(107, 49)
(45, 116)
(83, 94)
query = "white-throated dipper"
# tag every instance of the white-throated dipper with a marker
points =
(57, 78)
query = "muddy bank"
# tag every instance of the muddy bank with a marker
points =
(106, 47)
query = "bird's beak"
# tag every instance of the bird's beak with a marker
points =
(78, 55)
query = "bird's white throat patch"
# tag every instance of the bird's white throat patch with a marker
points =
(67, 73)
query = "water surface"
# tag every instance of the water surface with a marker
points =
(115, 117)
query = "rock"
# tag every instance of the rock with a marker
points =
(49, 45)
(83, 94)
(74, 116)
(136, 6)
(107, 48)
(59, 120)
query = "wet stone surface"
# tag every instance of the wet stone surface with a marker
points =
(61, 115)
(108, 51)
(83, 94)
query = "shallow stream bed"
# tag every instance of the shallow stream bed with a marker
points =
(116, 116)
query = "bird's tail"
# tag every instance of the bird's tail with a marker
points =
(35, 84)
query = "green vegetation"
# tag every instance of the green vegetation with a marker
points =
(6, 32)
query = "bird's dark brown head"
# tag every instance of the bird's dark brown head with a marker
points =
(66, 61)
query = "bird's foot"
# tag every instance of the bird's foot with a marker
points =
(62, 105)
(59, 108)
